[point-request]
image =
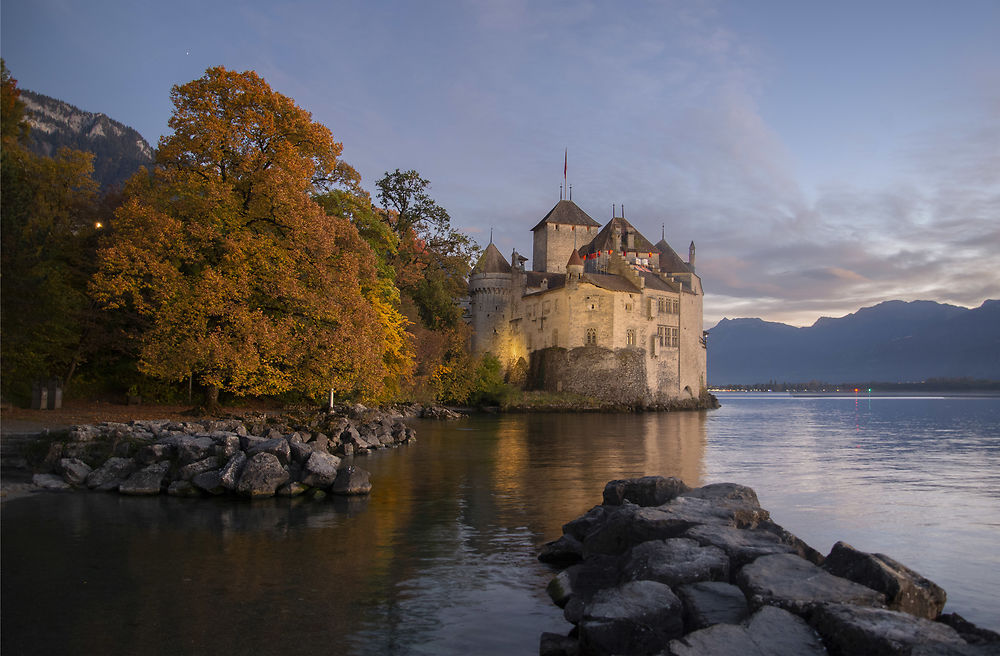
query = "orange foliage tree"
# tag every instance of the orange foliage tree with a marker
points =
(245, 282)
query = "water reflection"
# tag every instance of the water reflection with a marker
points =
(440, 559)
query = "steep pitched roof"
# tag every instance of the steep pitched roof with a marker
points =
(491, 261)
(610, 282)
(574, 258)
(605, 239)
(566, 212)
(670, 261)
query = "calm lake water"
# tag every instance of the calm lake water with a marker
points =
(441, 559)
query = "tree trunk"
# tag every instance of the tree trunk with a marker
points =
(211, 398)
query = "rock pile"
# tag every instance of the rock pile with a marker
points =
(660, 568)
(250, 457)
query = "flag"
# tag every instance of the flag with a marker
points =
(565, 163)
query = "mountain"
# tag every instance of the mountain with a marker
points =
(894, 341)
(118, 150)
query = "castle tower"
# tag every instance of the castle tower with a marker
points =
(564, 228)
(490, 294)
(574, 267)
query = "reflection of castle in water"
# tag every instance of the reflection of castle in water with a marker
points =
(578, 453)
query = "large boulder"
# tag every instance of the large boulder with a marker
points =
(262, 475)
(675, 562)
(109, 476)
(741, 545)
(628, 525)
(583, 580)
(769, 632)
(320, 469)
(645, 491)
(276, 446)
(850, 629)
(230, 473)
(567, 550)
(227, 445)
(74, 471)
(190, 470)
(193, 449)
(148, 481)
(904, 589)
(352, 481)
(210, 482)
(50, 482)
(712, 602)
(795, 584)
(638, 617)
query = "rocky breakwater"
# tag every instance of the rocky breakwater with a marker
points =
(249, 457)
(660, 568)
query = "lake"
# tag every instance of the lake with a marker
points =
(441, 559)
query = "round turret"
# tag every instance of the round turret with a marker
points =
(574, 266)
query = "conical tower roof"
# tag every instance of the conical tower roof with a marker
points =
(491, 261)
(566, 212)
(575, 259)
(670, 261)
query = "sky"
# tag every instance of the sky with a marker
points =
(823, 156)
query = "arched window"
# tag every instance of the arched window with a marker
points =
(630, 337)
(591, 337)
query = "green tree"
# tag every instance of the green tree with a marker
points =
(245, 281)
(433, 259)
(47, 213)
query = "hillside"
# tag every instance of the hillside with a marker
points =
(894, 341)
(118, 150)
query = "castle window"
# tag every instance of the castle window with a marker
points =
(555, 338)
(592, 303)
(628, 305)
(591, 337)
(661, 306)
(630, 337)
(667, 336)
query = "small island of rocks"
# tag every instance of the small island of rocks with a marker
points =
(660, 568)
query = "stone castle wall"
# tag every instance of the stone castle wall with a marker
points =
(612, 376)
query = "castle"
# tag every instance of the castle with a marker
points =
(603, 312)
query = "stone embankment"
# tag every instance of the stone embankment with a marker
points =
(257, 456)
(660, 568)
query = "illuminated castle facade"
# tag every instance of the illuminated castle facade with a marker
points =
(603, 312)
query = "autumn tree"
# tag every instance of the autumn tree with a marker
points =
(47, 212)
(246, 283)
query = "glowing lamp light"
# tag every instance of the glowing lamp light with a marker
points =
(98, 225)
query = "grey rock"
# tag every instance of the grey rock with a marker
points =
(352, 480)
(904, 589)
(231, 471)
(111, 474)
(769, 632)
(712, 602)
(741, 545)
(209, 481)
(150, 453)
(638, 617)
(301, 451)
(189, 471)
(291, 489)
(319, 442)
(581, 526)
(194, 449)
(675, 562)
(564, 551)
(262, 475)
(850, 629)
(628, 525)
(50, 482)
(645, 491)
(227, 447)
(147, 481)
(183, 489)
(584, 580)
(74, 471)
(795, 584)
(792, 540)
(276, 446)
(320, 470)
(250, 441)
(971, 633)
(727, 491)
